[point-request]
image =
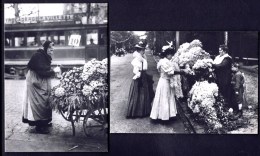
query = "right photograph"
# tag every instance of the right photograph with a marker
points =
(184, 82)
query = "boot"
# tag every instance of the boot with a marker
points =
(42, 130)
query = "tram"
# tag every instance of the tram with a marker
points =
(22, 40)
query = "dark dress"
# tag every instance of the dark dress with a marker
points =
(223, 78)
(140, 96)
(36, 108)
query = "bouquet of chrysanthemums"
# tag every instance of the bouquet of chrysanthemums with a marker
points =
(81, 87)
(202, 98)
(189, 53)
(203, 70)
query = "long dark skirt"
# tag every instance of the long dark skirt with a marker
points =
(36, 108)
(140, 97)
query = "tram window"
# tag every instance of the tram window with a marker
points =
(92, 37)
(75, 32)
(32, 41)
(19, 41)
(55, 39)
(7, 42)
(42, 39)
(45, 36)
(62, 40)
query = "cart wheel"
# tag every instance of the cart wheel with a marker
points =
(95, 123)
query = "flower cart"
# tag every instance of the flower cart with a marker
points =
(82, 95)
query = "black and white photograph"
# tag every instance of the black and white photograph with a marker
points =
(184, 82)
(55, 77)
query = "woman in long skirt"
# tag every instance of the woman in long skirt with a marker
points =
(164, 105)
(36, 108)
(140, 94)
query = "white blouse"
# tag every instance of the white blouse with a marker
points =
(139, 63)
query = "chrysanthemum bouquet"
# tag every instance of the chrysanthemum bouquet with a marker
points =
(203, 70)
(189, 53)
(201, 101)
(81, 87)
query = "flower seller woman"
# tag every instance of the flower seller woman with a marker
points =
(141, 90)
(36, 108)
(222, 65)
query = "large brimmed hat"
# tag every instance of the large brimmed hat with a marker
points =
(140, 45)
(167, 49)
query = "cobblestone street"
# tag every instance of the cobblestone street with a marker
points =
(20, 137)
(120, 80)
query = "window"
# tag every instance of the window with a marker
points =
(43, 37)
(75, 32)
(62, 40)
(8, 40)
(19, 39)
(32, 39)
(92, 37)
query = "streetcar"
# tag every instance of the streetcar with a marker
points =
(23, 40)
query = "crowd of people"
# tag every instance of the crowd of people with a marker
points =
(142, 101)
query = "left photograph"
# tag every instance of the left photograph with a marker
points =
(56, 77)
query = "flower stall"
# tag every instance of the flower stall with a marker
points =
(203, 98)
(83, 93)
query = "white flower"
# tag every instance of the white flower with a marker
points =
(230, 110)
(195, 43)
(87, 90)
(59, 92)
(196, 109)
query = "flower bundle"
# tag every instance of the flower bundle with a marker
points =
(204, 63)
(81, 87)
(203, 70)
(189, 53)
(201, 101)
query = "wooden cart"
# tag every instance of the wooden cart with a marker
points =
(94, 117)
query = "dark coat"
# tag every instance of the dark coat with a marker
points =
(237, 82)
(223, 75)
(40, 63)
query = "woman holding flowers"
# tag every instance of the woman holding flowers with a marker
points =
(164, 105)
(140, 93)
(222, 65)
(36, 109)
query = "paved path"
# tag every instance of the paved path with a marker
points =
(19, 139)
(120, 80)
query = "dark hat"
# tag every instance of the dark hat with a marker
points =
(46, 44)
(140, 45)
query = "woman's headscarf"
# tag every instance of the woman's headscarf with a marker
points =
(46, 45)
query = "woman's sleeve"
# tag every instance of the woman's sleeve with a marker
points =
(224, 63)
(167, 68)
(136, 69)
